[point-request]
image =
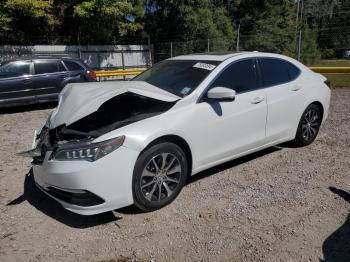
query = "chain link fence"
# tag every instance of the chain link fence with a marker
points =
(309, 45)
(333, 45)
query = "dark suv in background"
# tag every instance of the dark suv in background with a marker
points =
(39, 79)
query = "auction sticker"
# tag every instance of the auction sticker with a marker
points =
(204, 66)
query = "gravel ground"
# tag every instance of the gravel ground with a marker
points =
(275, 205)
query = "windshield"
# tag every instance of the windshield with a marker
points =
(179, 77)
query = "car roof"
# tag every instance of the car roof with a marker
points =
(210, 56)
(26, 58)
(222, 56)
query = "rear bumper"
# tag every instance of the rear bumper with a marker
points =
(89, 188)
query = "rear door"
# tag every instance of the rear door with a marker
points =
(284, 92)
(15, 82)
(47, 79)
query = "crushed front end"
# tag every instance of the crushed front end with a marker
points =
(83, 186)
(86, 176)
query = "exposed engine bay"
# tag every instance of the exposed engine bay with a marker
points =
(87, 111)
(117, 112)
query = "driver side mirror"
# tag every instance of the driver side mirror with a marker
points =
(220, 94)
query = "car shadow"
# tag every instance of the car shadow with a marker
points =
(53, 209)
(336, 248)
(26, 108)
(209, 172)
(232, 163)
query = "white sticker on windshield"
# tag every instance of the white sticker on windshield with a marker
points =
(185, 90)
(204, 66)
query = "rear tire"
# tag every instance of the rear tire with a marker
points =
(309, 126)
(159, 175)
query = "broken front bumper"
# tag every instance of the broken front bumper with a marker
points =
(108, 179)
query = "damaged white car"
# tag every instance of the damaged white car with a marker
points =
(108, 145)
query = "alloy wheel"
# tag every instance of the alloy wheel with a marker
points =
(160, 177)
(310, 125)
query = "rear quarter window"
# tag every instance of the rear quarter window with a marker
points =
(293, 71)
(277, 71)
(73, 66)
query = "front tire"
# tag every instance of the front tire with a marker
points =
(159, 175)
(309, 126)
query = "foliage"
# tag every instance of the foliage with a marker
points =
(107, 18)
(271, 26)
(24, 20)
(188, 24)
(309, 50)
(186, 20)
(274, 30)
(94, 21)
(335, 36)
(265, 25)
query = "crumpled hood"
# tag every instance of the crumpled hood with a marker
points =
(81, 99)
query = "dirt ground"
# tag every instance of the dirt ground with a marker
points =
(281, 204)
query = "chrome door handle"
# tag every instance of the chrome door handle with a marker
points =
(257, 100)
(64, 76)
(26, 81)
(296, 88)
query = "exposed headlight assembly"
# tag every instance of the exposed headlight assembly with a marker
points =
(87, 151)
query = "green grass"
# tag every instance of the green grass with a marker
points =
(337, 80)
(332, 63)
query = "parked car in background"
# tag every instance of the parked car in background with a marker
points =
(39, 79)
(347, 54)
(111, 144)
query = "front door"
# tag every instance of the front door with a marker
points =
(15, 82)
(232, 128)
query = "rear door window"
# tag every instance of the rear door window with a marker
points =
(45, 67)
(73, 66)
(14, 69)
(277, 71)
(240, 76)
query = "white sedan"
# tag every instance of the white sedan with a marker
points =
(108, 145)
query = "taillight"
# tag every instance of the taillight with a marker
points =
(92, 74)
(328, 83)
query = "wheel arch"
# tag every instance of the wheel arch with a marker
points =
(320, 106)
(179, 141)
(311, 102)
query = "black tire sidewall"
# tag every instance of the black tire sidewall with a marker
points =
(165, 147)
(299, 139)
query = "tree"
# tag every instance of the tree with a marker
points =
(274, 31)
(105, 21)
(318, 12)
(334, 36)
(270, 25)
(5, 21)
(188, 25)
(186, 20)
(27, 20)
